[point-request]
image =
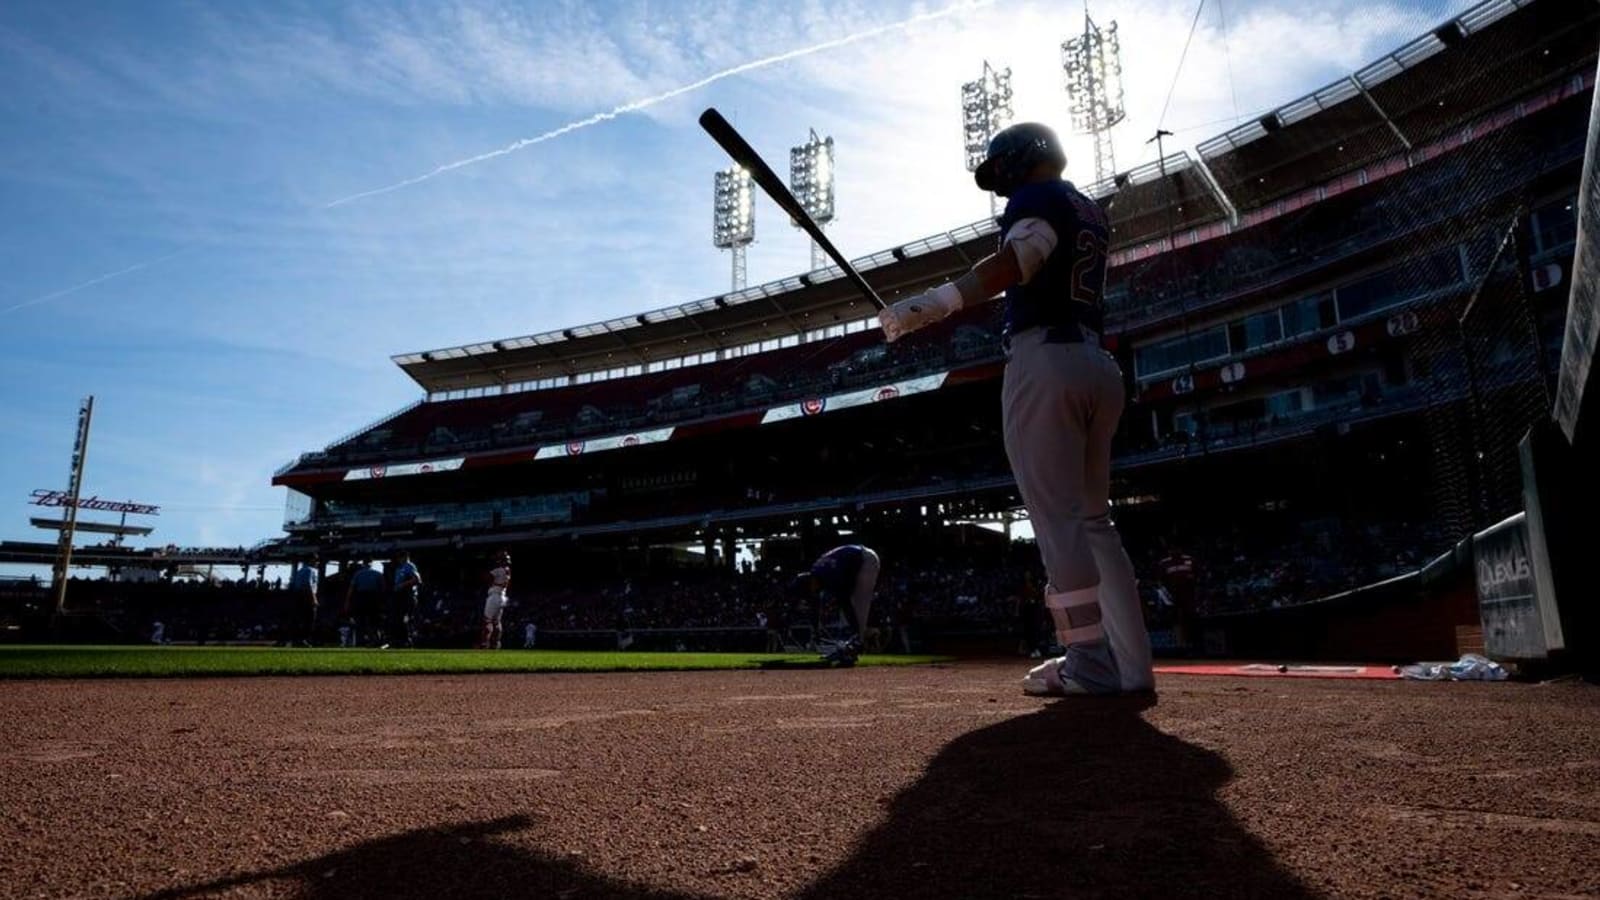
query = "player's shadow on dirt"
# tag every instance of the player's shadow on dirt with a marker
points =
(459, 862)
(1077, 799)
(1083, 798)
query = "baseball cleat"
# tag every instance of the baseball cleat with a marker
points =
(1044, 680)
(841, 653)
(1085, 670)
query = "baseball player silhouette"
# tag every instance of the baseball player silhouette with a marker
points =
(1061, 398)
(848, 575)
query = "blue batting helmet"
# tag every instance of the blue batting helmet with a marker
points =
(1014, 152)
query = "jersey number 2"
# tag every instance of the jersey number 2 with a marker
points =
(1089, 269)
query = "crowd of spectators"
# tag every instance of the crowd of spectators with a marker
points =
(187, 609)
(961, 593)
(989, 590)
(850, 362)
(1242, 569)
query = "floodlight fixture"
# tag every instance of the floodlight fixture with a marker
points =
(811, 182)
(733, 223)
(1092, 63)
(985, 109)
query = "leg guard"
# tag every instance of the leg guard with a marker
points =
(1089, 666)
(1076, 615)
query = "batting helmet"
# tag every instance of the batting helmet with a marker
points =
(1014, 152)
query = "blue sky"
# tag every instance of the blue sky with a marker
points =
(189, 151)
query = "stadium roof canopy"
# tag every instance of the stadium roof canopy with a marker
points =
(1138, 204)
(779, 309)
(1486, 58)
(1174, 193)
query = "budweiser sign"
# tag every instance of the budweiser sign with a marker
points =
(61, 498)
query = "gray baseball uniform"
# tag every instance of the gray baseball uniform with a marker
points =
(1062, 397)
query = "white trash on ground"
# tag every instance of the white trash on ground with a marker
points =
(1470, 667)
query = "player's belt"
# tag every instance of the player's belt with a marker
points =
(1070, 333)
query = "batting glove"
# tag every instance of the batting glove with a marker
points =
(912, 313)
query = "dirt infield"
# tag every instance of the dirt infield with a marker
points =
(927, 782)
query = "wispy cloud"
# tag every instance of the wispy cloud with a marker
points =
(896, 116)
(406, 50)
(98, 279)
(646, 102)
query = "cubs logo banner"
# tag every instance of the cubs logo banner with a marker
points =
(599, 445)
(399, 470)
(855, 398)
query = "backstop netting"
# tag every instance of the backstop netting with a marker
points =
(1410, 328)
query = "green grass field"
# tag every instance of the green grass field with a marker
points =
(183, 662)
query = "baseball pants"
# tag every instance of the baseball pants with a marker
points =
(494, 608)
(1060, 407)
(861, 597)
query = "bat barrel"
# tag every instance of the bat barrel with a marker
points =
(742, 153)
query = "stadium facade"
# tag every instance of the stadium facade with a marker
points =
(1296, 306)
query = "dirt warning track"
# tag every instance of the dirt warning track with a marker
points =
(927, 782)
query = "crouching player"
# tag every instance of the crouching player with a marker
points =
(848, 575)
(494, 605)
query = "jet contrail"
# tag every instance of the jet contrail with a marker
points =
(46, 298)
(637, 105)
(595, 119)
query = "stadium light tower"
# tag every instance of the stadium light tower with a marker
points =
(733, 225)
(1093, 66)
(69, 511)
(811, 182)
(985, 109)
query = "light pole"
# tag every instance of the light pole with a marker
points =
(69, 515)
(985, 109)
(733, 225)
(1092, 64)
(811, 182)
